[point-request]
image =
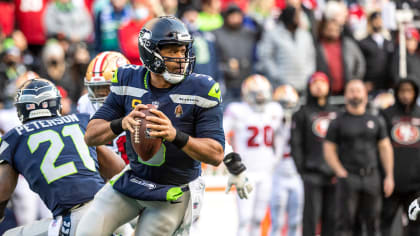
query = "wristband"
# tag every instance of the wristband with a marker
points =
(181, 139)
(116, 126)
(234, 163)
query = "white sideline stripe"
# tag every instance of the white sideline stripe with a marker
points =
(193, 99)
(127, 90)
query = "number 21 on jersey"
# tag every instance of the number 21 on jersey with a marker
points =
(48, 168)
(267, 136)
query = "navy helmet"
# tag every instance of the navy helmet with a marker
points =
(37, 98)
(161, 31)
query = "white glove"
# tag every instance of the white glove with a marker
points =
(413, 210)
(242, 184)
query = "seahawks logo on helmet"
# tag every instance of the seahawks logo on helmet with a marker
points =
(37, 98)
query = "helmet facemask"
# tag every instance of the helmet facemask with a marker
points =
(98, 92)
(34, 103)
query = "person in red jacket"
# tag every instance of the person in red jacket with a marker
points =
(128, 32)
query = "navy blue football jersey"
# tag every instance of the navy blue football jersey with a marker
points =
(52, 156)
(193, 106)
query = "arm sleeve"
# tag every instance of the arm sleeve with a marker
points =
(382, 131)
(297, 141)
(332, 133)
(113, 108)
(209, 124)
(6, 148)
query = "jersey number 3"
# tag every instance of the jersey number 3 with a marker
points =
(49, 170)
(267, 131)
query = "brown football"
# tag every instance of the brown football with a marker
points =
(144, 145)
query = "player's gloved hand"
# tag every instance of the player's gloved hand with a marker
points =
(237, 175)
(242, 184)
(413, 209)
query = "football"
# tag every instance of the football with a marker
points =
(143, 144)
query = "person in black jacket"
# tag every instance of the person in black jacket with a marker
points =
(378, 54)
(403, 123)
(310, 125)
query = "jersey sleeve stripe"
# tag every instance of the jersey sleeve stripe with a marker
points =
(127, 90)
(193, 99)
(3, 147)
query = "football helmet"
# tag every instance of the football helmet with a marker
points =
(37, 98)
(287, 96)
(166, 30)
(256, 91)
(99, 75)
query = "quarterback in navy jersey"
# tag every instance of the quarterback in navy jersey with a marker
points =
(49, 151)
(166, 189)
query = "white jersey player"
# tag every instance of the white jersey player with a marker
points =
(287, 192)
(253, 123)
(98, 80)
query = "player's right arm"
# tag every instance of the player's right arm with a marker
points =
(99, 131)
(8, 181)
(330, 150)
(109, 163)
(111, 114)
(8, 175)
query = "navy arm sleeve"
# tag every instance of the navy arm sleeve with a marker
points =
(209, 124)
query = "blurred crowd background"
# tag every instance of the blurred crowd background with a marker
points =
(285, 40)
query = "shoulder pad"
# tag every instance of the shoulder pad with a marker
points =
(206, 86)
(123, 74)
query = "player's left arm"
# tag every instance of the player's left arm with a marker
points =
(109, 163)
(8, 181)
(387, 159)
(206, 150)
(386, 154)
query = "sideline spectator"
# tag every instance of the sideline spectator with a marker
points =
(351, 147)
(209, 18)
(402, 120)
(289, 59)
(107, 23)
(377, 51)
(338, 56)
(235, 45)
(69, 20)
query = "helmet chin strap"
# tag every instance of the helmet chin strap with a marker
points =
(172, 78)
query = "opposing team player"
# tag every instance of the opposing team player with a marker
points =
(98, 82)
(166, 189)
(49, 151)
(253, 123)
(287, 190)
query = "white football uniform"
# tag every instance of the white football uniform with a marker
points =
(253, 138)
(84, 105)
(287, 190)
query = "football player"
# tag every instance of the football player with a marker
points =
(49, 151)
(253, 123)
(287, 192)
(166, 189)
(98, 82)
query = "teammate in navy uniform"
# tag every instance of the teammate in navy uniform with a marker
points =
(167, 188)
(49, 151)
